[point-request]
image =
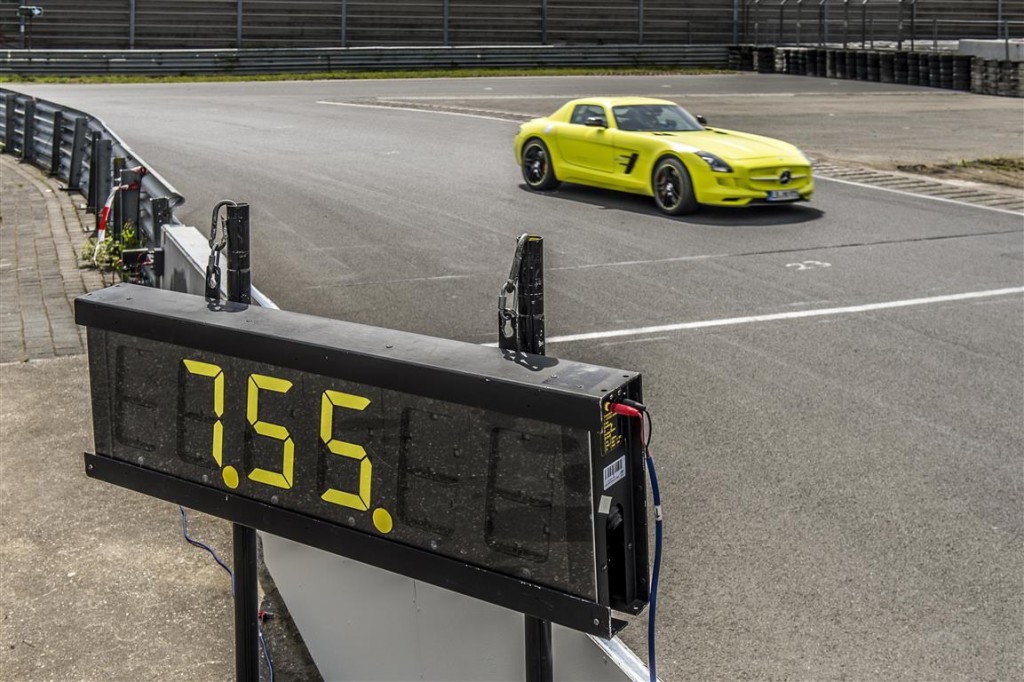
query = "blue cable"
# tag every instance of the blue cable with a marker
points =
(200, 545)
(231, 575)
(656, 495)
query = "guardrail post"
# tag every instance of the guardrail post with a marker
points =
(846, 23)
(799, 22)
(640, 22)
(131, 24)
(10, 123)
(823, 22)
(782, 17)
(103, 160)
(543, 22)
(344, 23)
(116, 218)
(77, 152)
(28, 141)
(444, 19)
(238, 24)
(913, 23)
(899, 25)
(160, 208)
(735, 22)
(56, 142)
(130, 180)
(757, 23)
(91, 195)
(863, 24)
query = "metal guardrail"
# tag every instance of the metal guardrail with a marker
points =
(86, 155)
(80, 150)
(298, 60)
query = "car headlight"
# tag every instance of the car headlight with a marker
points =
(801, 153)
(716, 163)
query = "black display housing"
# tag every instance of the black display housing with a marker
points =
(495, 474)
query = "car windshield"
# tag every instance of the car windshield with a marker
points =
(644, 117)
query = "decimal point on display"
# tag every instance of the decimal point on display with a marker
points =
(230, 475)
(382, 520)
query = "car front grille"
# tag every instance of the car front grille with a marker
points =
(770, 177)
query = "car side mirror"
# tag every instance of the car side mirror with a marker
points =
(701, 120)
(596, 122)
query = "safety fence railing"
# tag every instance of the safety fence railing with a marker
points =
(131, 24)
(917, 22)
(309, 60)
(120, 189)
(172, 24)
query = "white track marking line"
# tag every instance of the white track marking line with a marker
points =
(821, 312)
(919, 196)
(419, 111)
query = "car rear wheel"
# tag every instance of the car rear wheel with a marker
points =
(673, 190)
(538, 171)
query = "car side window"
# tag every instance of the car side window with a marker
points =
(584, 111)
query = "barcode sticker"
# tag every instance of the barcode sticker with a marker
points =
(616, 471)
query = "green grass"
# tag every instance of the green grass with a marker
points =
(1000, 163)
(363, 75)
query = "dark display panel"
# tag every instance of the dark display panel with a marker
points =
(506, 493)
(504, 476)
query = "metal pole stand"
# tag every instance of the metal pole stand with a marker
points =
(521, 330)
(246, 579)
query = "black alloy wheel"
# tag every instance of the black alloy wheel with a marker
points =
(673, 190)
(538, 171)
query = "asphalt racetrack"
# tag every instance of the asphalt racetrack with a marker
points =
(839, 441)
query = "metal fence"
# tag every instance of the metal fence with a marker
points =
(80, 150)
(198, 24)
(864, 22)
(311, 60)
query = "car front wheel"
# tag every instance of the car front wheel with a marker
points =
(673, 190)
(538, 171)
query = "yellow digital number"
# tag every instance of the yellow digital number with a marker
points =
(283, 478)
(361, 500)
(205, 369)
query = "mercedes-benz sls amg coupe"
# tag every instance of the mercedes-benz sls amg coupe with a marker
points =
(656, 148)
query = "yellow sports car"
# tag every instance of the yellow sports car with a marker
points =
(655, 147)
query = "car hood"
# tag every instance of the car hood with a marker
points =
(730, 145)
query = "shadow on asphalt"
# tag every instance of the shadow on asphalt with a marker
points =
(709, 216)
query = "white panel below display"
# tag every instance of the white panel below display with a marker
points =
(364, 624)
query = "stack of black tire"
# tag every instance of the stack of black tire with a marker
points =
(937, 70)
(995, 77)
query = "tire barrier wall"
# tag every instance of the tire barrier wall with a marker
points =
(80, 150)
(931, 69)
(275, 61)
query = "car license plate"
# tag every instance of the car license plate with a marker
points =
(783, 195)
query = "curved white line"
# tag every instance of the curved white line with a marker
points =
(419, 111)
(920, 196)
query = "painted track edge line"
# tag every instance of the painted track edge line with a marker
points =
(419, 111)
(820, 312)
(917, 194)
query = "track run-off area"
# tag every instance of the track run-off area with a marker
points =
(837, 387)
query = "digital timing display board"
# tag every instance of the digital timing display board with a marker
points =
(495, 474)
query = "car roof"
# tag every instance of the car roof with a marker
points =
(619, 101)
